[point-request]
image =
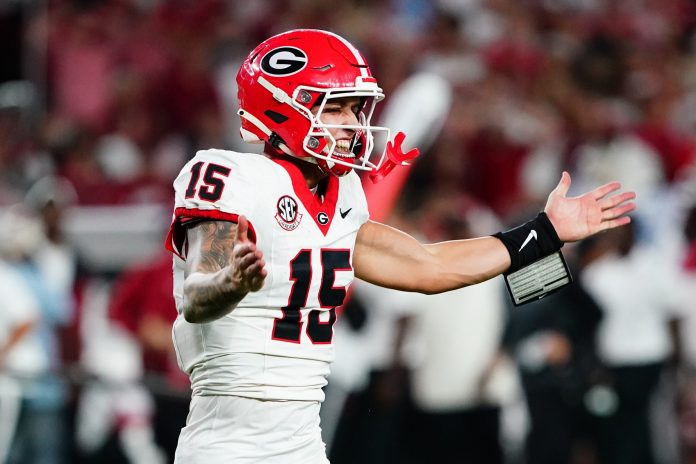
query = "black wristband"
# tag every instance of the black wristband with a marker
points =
(530, 242)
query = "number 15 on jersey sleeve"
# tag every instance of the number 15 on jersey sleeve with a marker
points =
(213, 184)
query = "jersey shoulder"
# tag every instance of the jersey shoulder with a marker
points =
(215, 185)
(239, 164)
(220, 179)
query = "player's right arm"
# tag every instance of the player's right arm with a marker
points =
(222, 266)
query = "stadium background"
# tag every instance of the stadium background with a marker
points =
(103, 101)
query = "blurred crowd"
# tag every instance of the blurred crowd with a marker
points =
(103, 101)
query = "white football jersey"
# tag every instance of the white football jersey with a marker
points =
(277, 343)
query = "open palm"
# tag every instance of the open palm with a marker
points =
(575, 218)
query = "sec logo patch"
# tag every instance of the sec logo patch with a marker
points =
(287, 215)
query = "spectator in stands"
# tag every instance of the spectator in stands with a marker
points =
(553, 344)
(142, 303)
(371, 379)
(18, 319)
(634, 341)
(460, 379)
(49, 198)
(686, 380)
(41, 430)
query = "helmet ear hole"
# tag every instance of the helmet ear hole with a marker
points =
(275, 116)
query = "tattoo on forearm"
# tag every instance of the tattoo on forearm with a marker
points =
(212, 243)
(210, 250)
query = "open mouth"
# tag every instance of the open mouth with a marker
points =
(343, 149)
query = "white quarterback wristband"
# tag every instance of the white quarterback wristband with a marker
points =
(536, 280)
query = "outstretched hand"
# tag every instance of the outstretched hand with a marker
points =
(247, 270)
(575, 218)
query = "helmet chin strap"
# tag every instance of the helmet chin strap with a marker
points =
(280, 146)
(277, 93)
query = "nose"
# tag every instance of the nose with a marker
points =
(348, 118)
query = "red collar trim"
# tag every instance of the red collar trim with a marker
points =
(309, 200)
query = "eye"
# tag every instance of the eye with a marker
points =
(355, 109)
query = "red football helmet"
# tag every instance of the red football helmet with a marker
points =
(286, 76)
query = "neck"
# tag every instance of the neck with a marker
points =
(311, 172)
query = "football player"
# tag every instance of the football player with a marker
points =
(266, 246)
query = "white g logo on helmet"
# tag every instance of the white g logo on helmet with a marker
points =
(284, 61)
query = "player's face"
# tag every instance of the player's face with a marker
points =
(341, 111)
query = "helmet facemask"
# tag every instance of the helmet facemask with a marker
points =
(321, 144)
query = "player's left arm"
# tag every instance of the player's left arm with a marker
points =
(390, 258)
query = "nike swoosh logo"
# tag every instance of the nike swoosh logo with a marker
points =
(345, 213)
(532, 235)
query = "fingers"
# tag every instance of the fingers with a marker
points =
(245, 255)
(615, 206)
(622, 221)
(617, 211)
(614, 200)
(249, 266)
(256, 274)
(245, 260)
(256, 269)
(604, 190)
